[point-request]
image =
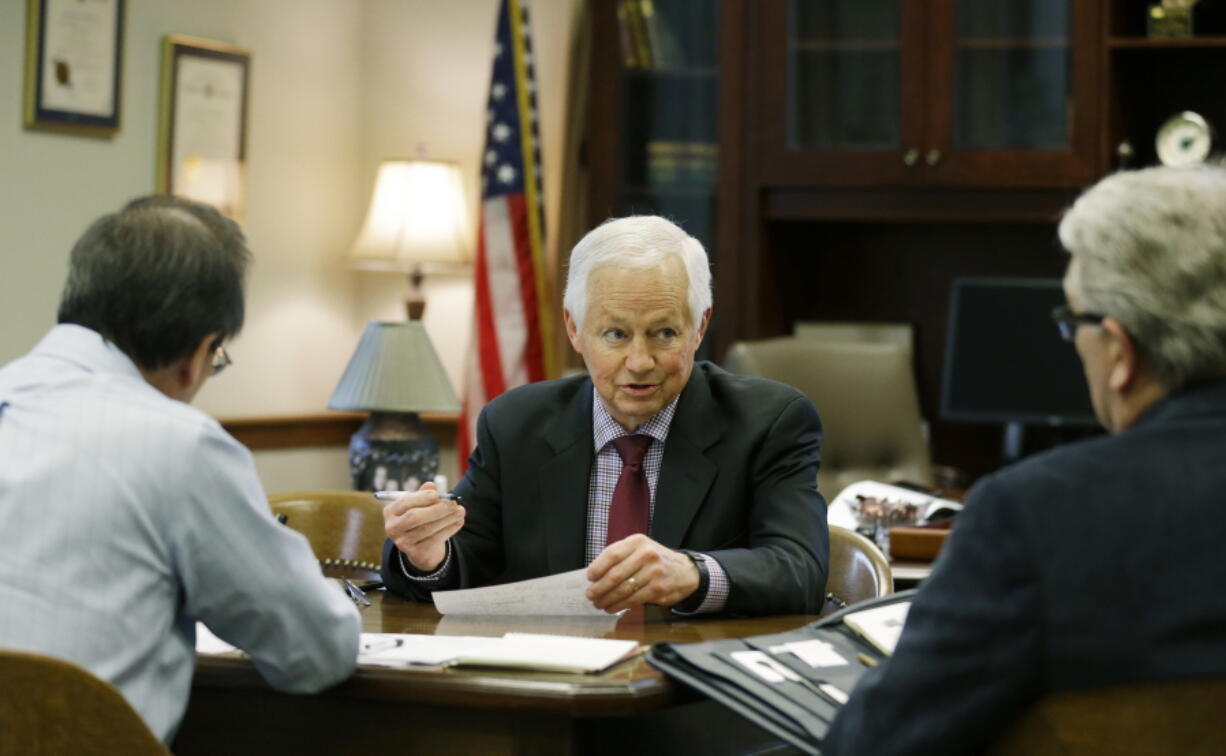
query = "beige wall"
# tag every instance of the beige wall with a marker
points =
(336, 85)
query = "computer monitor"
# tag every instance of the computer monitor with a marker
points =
(1005, 361)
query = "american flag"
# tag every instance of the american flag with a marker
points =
(512, 320)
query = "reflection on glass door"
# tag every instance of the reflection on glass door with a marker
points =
(1013, 61)
(843, 61)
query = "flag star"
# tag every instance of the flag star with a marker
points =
(491, 157)
(497, 49)
(498, 91)
(506, 174)
(501, 132)
(528, 58)
(532, 115)
(531, 85)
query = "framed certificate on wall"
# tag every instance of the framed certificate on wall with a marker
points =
(74, 50)
(202, 145)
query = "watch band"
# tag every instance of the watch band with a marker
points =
(695, 599)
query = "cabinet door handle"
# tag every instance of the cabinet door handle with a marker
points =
(933, 157)
(910, 157)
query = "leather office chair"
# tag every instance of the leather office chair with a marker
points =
(49, 706)
(856, 332)
(1182, 717)
(866, 396)
(858, 569)
(345, 529)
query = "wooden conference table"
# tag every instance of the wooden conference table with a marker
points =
(629, 709)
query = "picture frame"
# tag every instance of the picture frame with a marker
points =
(202, 141)
(74, 65)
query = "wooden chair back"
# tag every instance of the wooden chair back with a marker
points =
(50, 706)
(858, 569)
(345, 529)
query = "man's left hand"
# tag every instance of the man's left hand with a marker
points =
(637, 570)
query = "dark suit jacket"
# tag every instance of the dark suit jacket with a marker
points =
(1094, 564)
(737, 482)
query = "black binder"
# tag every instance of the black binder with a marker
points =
(797, 706)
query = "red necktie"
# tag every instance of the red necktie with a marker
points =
(629, 510)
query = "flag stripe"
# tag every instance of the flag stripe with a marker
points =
(506, 290)
(487, 356)
(511, 310)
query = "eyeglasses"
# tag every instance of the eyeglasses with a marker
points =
(1067, 320)
(221, 361)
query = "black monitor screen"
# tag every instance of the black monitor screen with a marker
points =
(1004, 359)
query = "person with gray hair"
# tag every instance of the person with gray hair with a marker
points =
(1098, 563)
(673, 482)
(173, 527)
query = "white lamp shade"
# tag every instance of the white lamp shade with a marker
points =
(417, 215)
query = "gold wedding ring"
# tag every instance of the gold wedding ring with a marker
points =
(634, 584)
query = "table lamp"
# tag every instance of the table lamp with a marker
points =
(417, 220)
(394, 374)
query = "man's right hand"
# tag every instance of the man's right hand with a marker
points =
(420, 524)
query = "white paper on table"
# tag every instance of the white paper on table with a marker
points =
(207, 642)
(557, 653)
(555, 595)
(403, 649)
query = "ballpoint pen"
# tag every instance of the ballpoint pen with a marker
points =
(394, 495)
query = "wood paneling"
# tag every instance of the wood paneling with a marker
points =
(323, 429)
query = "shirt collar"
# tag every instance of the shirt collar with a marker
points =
(85, 348)
(605, 428)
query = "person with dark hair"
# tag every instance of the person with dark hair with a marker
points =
(1098, 563)
(173, 526)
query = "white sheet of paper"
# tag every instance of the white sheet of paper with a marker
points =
(555, 595)
(815, 653)
(881, 625)
(403, 649)
(559, 653)
(208, 643)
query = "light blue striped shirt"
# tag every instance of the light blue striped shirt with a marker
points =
(126, 516)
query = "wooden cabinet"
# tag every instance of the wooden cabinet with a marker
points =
(653, 126)
(870, 152)
(926, 92)
(1149, 80)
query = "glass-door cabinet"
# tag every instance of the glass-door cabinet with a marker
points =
(901, 92)
(652, 144)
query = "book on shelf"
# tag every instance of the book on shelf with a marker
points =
(636, 48)
(675, 162)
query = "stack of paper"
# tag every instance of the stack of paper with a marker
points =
(552, 653)
(881, 626)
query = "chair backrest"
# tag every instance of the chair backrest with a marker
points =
(50, 706)
(866, 396)
(1183, 717)
(858, 569)
(856, 332)
(345, 528)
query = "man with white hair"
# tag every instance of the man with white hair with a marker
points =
(1098, 563)
(674, 483)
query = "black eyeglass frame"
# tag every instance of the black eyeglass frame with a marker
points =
(221, 360)
(1067, 321)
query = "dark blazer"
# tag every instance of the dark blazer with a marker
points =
(1094, 564)
(737, 482)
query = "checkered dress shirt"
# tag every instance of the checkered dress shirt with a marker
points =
(607, 470)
